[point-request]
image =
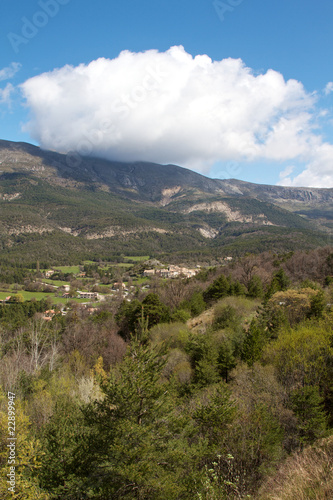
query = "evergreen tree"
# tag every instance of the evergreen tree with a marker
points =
(280, 282)
(66, 465)
(308, 406)
(254, 343)
(255, 287)
(317, 305)
(218, 289)
(155, 310)
(140, 447)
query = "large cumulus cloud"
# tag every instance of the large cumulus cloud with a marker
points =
(171, 107)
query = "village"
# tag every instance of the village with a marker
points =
(172, 272)
(87, 286)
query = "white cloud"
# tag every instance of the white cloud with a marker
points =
(9, 71)
(318, 171)
(285, 174)
(5, 94)
(172, 108)
(329, 88)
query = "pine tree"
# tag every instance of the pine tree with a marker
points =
(308, 406)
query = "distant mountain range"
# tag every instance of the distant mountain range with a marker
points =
(53, 205)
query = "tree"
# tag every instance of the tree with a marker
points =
(225, 316)
(255, 287)
(249, 265)
(254, 343)
(293, 305)
(280, 282)
(302, 356)
(226, 359)
(203, 352)
(215, 414)
(17, 298)
(66, 463)
(39, 340)
(308, 406)
(155, 310)
(317, 305)
(28, 456)
(138, 449)
(218, 289)
(197, 303)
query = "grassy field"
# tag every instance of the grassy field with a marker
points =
(69, 269)
(137, 258)
(139, 281)
(56, 282)
(40, 296)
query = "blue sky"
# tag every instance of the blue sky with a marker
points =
(266, 119)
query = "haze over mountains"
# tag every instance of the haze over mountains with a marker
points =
(49, 200)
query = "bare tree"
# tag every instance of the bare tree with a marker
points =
(38, 335)
(12, 363)
(249, 267)
(174, 292)
(54, 346)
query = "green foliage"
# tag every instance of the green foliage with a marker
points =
(203, 352)
(130, 313)
(289, 308)
(155, 310)
(139, 444)
(225, 316)
(66, 462)
(255, 287)
(279, 283)
(197, 304)
(215, 414)
(308, 406)
(226, 358)
(180, 315)
(171, 334)
(218, 289)
(28, 455)
(254, 343)
(317, 305)
(302, 356)
(179, 416)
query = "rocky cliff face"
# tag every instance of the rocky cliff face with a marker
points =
(281, 193)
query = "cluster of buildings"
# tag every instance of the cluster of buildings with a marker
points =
(49, 314)
(85, 295)
(172, 272)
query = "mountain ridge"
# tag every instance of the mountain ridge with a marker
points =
(91, 199)
(73, 162)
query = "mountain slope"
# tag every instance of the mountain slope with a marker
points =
(50, 201)
(312, 203)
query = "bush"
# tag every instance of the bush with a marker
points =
(174, 334)
(305, 475)
(225, 316)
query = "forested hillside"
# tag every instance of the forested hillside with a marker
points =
(49, 202)
(214, 387)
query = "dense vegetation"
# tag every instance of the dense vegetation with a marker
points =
(217, 387)
(40, 216)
